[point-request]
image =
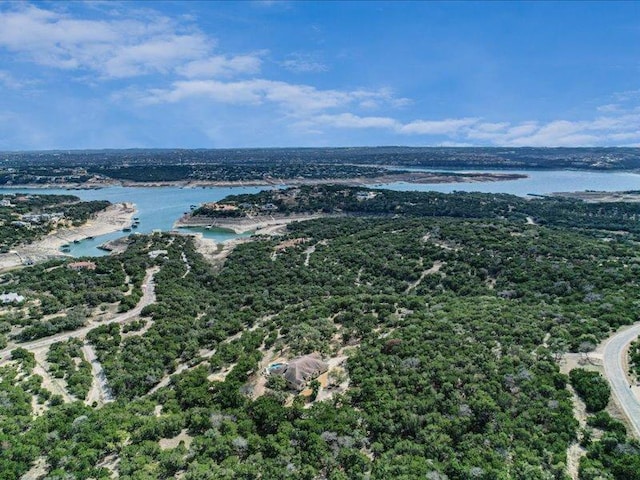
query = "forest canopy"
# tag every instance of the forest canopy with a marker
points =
(441, 317)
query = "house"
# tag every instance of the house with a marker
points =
(156, 253)
(11, 297)
(42, 217)
(299, 371)
(268, 207)
(360, 196)
(220, 207)
(82, 266)
(31, 218)
(5, 203)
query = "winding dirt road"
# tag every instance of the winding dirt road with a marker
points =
(614, 368)
(148, 297)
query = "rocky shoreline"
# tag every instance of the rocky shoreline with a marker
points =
(245, 224)
(112, 219)
(412, 177)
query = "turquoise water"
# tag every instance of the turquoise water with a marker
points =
(158, 208)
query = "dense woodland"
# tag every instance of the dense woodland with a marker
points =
(67, 362)
(337, 199)
(451, 313)
(54, 173)
(60, 299)
(73, 210)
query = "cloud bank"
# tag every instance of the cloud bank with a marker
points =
(171, 63)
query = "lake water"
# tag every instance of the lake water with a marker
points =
(538, 182)
(158, 208)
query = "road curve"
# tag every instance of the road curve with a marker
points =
(613, 360)
(148, 297)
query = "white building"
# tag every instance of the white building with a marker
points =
(11, 297)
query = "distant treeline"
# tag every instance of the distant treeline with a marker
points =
(306, 162)
(157, 171)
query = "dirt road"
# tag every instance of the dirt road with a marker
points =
(100, 393)
(148, 297)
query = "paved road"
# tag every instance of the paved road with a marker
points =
(613, 355)
(148, 297)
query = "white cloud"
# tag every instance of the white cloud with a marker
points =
(449, 126)
(116, 47)
(243, 92)
(629, 95)
(604, 130)
(623, 137)
(159, 54)
(130, 43)
(525, 128)
(8, 81)
(375, 98)
(611, 130)
(489, 127)
(349, 120)
(296, 99)
(221, 66)
(303, 63)
(553, 136)
(609, 108)
(455, 144)
(311, 111)
(600, 131)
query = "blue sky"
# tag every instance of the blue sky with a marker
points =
(268, 74)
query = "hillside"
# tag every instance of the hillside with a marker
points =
(441, 319)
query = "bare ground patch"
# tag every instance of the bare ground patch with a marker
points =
(439, 243)
(435, 268)
(54, 385)
(216, 253)
(169, 443)
(100, 393)
(110, 462)
(221, 375)
(39, 469)
(575, 451)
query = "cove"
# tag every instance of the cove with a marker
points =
(159, 207)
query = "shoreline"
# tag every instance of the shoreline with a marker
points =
(113, 218)
(258, 225)
(600, 196)
(411, 177)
